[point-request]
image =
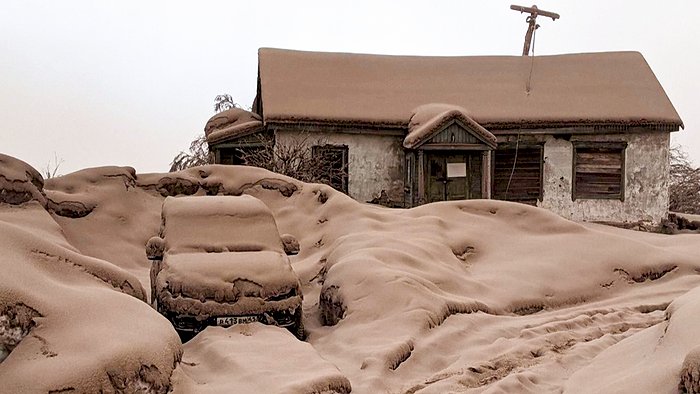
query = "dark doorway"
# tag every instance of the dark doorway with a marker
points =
(453, 176)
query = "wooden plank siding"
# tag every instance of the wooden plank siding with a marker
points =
(454, 134)
(525, 184)
(599, 172)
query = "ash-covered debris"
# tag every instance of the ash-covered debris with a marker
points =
(397, 356)
(677, 223)
(212, 180)
(70, 209)
(690, 373)
(285, 188)
(212, 188)
(147, 380)
(126, 174)
(322, 197)
(331, 305)
(290, 243)
(174, 186)
(20, 182)
(16, 321)
(642, 276)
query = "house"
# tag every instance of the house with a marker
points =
(584, 135)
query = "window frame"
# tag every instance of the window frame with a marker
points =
(577, 146)
(345, 152)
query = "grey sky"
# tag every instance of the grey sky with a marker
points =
(133, 82)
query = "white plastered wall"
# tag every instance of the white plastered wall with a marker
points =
(375, 162)
(646, 180)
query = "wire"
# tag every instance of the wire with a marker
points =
(512, 171)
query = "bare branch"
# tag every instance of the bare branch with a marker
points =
(223, 102)
(198, 155)
(51, 170)
(296, 158)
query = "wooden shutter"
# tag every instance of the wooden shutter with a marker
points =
(525, 166)
(599, 172)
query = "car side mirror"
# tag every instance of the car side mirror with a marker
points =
(154, 248)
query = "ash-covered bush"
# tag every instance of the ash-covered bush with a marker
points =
(16, 322)
(684, 187)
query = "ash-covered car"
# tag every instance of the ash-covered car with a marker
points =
(219, 261)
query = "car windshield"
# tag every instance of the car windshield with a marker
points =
(219, 224)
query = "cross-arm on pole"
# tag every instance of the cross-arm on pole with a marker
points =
(532, 24)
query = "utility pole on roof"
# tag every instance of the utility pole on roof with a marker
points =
(532, 24)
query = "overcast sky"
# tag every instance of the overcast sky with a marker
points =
(133, 82)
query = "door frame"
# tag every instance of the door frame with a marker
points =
(418, 187)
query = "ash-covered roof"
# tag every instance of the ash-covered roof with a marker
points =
(612, 88)
(230, 124)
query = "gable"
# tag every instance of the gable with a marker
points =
(455, 133)
(446, 125)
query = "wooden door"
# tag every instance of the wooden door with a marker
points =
(453, 176)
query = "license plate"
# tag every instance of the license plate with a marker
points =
(231, 320)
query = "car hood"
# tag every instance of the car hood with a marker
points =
(229, 276)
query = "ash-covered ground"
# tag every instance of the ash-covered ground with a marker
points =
(465, 297)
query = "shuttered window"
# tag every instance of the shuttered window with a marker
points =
(517, 174)
(599, 171)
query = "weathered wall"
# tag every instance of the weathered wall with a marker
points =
(646, 180)
(375, 161)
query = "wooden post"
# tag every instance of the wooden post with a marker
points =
(421, 177)
(486, 174)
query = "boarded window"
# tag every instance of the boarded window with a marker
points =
(334, 162)
(598, 171)
(517, 174)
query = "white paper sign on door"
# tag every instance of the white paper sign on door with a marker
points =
(456, 170)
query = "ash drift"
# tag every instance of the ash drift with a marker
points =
(465, 296)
